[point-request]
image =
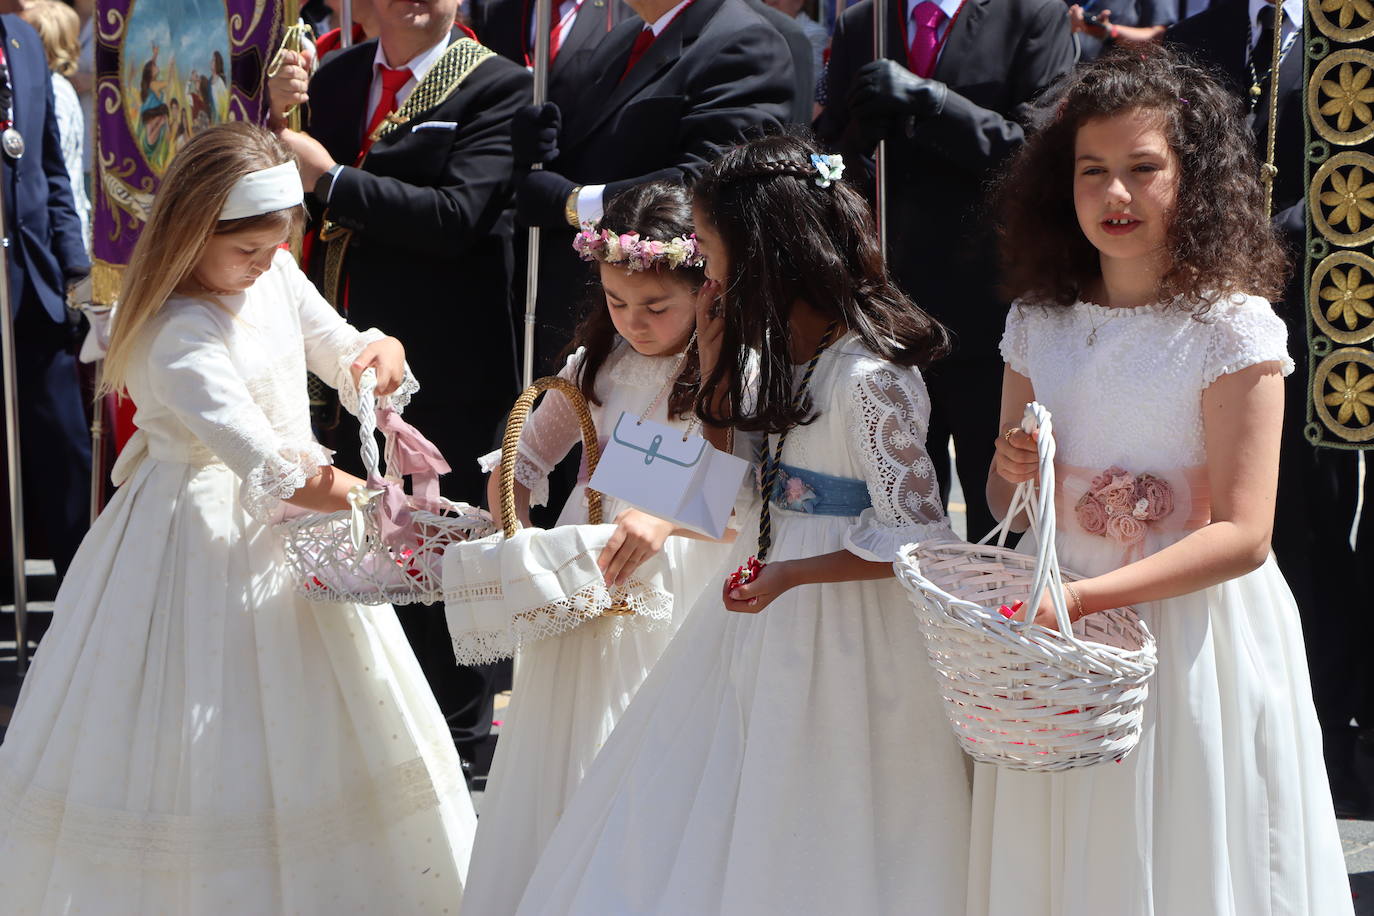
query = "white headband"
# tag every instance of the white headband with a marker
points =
(264, 191)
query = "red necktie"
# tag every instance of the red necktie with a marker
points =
(925, 46)
(392, 81)
(641, 45)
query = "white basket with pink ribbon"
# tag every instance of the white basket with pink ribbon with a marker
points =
(388, 546)
(1020, 695)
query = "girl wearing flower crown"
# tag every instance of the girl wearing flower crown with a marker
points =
(194, 738)
(788, 754)
(1136, 236)
(635, 352)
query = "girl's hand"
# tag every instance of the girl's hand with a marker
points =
(1017, 458)
(751, 597)
(710, 326)
(1078, 22)
(1044, 611)
(638, 536)
(388, 357)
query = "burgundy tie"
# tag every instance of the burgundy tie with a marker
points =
(642, 42)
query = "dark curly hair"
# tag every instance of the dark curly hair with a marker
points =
(1219, 238)
(790, 240)
(656, 210)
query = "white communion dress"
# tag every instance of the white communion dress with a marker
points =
(1223, 809)
(570, 689)
(193, 738)
(796, 760)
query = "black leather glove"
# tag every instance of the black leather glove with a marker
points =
(541, 198)
(885, 91)
(534, 133)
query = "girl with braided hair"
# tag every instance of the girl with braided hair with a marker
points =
(788, 753)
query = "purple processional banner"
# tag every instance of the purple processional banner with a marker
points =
(164, 69)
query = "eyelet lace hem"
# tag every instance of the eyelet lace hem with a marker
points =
(278, 478)
(653, 610)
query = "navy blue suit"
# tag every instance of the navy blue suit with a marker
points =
(46, 252)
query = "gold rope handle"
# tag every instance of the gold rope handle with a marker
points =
(511, 442)
(1270, 170)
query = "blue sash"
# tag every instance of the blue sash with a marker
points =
(800, 490)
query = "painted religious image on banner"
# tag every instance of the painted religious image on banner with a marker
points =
(175, 81)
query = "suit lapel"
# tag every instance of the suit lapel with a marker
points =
(959, 50)
(663, 53)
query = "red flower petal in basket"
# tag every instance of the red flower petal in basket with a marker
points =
(1091, 516)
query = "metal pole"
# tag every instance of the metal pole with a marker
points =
(543, 23)
(880, 160)
(98, 447)
(12, 450)
(346, 26)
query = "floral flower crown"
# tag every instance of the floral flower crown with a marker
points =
(637, 253)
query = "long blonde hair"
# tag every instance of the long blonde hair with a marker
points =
(185, 215)
(58, 25)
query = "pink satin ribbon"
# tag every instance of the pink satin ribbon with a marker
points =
(408, 454)
(1192, 502)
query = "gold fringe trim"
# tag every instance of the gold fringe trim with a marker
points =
(106, 279)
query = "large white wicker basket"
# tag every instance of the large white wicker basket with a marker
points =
(1019, 695)
(343, 556)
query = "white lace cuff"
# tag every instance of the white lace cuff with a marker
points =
(278, 477)
(348, 394)
(870, 538)
(526, 474)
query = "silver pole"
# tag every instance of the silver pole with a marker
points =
(543, 22)
(346, 26)
(97, 447)
(11, 393)
(880, 160)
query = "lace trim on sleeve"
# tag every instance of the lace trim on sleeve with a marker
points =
(889, 412)
(348, 394)
(1015, 345)
(1245, 333)
(527, 474)
(278, 477)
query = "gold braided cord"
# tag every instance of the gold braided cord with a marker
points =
(294, 38)
(773, 465)
(1270, 169)
(510, 445)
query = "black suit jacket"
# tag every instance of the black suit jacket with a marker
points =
(803, 61)
(430, 259)
(504, 26)
(47, 245)
(1217, 37)
(998, 56)
(717, 75)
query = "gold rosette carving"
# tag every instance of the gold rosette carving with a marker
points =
(1343, 393)
(1340, 97)
(1341, 199)
(1341, 297)
(1343, 20)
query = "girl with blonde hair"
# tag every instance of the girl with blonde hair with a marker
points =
(193, 737)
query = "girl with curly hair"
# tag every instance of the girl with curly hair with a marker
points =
(788, 753)
(1136, 238)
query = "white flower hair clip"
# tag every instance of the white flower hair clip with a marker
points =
(831, 168)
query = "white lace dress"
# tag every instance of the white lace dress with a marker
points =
(793, 761)
(192, 737)
(570, 690)
(1223, 809)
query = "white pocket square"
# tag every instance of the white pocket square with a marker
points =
(435, 125)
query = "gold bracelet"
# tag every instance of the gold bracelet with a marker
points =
(1077, 601)
(570, 208)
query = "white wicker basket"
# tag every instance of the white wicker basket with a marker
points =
(342, 556)
(1019, 695)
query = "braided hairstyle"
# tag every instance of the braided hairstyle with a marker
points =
(790, 240)
(655, 210)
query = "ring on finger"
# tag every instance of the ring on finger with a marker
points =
(1006, 434)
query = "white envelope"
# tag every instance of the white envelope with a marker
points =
(687, 481)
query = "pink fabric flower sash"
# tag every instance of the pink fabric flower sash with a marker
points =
(1125, 507)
